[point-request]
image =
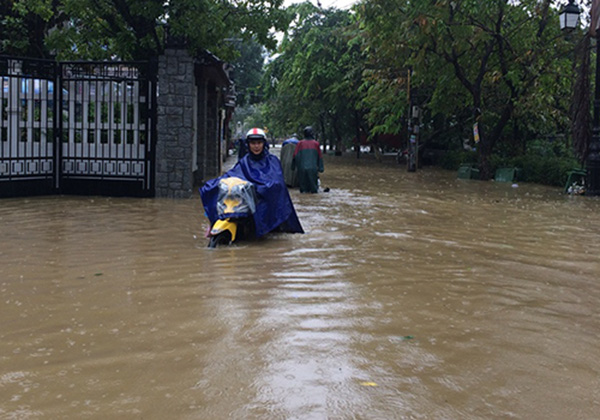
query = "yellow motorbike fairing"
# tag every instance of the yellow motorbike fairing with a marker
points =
(233, 181)
(226, 224)
(230, 205)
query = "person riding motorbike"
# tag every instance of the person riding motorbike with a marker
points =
(274, 208)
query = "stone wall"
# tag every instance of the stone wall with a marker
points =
(175, 124)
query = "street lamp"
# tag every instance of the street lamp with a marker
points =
(592, 163)
(568, 20)
(569, 16)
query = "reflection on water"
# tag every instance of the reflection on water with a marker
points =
(412, 295)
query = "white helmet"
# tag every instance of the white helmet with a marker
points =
(256, 134)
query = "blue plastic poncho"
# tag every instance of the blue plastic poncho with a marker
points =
(274, 209)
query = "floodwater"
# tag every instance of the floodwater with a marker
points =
(411, 296)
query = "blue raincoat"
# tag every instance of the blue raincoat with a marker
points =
(274, 209)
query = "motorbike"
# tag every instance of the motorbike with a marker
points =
(236, 203)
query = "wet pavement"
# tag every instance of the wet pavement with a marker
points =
(412, 295)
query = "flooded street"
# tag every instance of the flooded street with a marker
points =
(411, 296)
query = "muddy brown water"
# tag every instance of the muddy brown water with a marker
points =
(411, 296)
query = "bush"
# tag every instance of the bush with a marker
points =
(548, 170)
(454, 158)
(545, 162)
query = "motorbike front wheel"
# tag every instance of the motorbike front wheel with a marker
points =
(221, 239)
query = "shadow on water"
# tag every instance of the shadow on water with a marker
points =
(412, 295)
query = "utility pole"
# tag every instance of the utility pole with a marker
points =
(414, 118)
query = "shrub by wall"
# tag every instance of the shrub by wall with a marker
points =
(454, 158)
(547, 169)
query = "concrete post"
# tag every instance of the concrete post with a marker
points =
(175, 124)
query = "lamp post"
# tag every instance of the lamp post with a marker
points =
(569, 17)
(592, 163)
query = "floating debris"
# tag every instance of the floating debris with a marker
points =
(576, 189)
(367, 383)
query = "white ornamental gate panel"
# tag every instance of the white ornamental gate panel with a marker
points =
(77, 127)
(27, 126)
(107, 127)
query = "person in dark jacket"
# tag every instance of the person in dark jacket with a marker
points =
(274, 209)
(242, 148)
(308, 161)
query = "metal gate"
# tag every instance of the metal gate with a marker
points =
(77, 127)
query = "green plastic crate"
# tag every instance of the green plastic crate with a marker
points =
(468, 172)
(506, 174)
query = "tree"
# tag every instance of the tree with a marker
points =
(310, 81)
(248, 71)
(105, 29)
(25, 24)
(498, 58)
(134, 29)
(386, 76)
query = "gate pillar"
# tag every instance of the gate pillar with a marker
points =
(175, 124)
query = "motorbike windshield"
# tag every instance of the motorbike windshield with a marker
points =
(236, 198)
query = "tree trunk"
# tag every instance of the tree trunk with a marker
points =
(357, 120)
(580, 107)
(488, 142)
(324, 141)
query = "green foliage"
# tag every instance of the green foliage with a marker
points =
(315, 77)
(502, 57)
(548, 170)
(387, 80)
(209, 24)
(134, 29)
(545, 162)
(248, 116)
(24, 25)
(248, 72)
(453, 159)
(255, 118)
